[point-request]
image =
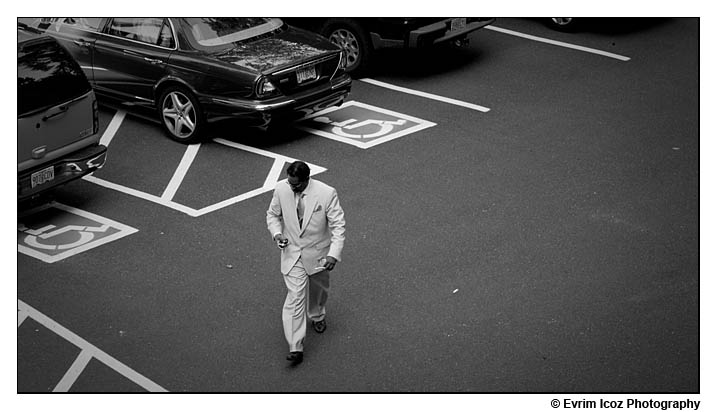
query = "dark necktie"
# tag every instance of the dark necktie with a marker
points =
(300, 208)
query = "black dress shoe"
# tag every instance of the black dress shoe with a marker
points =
(319, 326)
(295, 357)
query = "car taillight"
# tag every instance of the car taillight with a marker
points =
(265, 88)
(342, 60)
(95, 117)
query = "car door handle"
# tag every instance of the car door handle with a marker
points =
(60, 110)
(82, 43)
(147, 59)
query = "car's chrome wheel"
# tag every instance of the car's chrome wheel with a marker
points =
(353, 39)
(562, 21)
(179, 114)
(349, 43)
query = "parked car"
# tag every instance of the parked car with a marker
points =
(360, 37)
(57, 117)
(194, 71)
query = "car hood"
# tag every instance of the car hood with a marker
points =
(287, 49)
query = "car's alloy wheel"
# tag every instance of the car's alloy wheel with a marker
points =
(563, 23)
(180, 115)
(353, 39)
(349, 43)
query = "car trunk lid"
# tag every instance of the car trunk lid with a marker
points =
(293, 60)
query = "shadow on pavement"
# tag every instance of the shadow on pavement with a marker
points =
(234, 131)
(431, 61)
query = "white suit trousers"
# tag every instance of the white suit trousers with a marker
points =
(306, 297)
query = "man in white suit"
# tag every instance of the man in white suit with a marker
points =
(307, 222)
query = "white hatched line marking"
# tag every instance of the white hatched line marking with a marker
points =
(89, 350)
(559, 43)
(427, 95)
(112, 127)
(181, 171)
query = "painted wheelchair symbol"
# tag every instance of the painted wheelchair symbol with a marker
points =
(385, 127)
(36, 237)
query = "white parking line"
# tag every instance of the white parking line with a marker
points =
(88, 351)
(427, 95)
(142, 195)
(558, 43)
(181, 171)
(74, 372)
(112, 127)
(274, 173)
(21, 316)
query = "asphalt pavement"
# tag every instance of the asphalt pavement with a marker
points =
(549, 244)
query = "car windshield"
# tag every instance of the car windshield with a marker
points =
(219, 31)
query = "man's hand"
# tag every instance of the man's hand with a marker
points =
(282, 241)
(331, 262)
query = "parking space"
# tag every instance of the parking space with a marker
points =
(66, 362)
(362, 125)
(207, 177)
(55, 232)
(513, 206)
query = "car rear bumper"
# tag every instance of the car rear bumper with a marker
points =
(428, 35)
(263, 113)
(68, 168)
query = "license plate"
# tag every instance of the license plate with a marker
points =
(458, 24)
(43, 176)
(306, 74)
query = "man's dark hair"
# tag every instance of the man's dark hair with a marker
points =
(299, 170)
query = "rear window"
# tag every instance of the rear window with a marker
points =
(47, 76)
(214, 32)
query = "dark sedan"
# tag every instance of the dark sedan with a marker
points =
(195, 71)
(361, 37)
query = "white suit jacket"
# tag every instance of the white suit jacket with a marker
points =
(322, 233)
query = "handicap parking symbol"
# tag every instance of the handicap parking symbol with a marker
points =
(362, 125)
(57, 231)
